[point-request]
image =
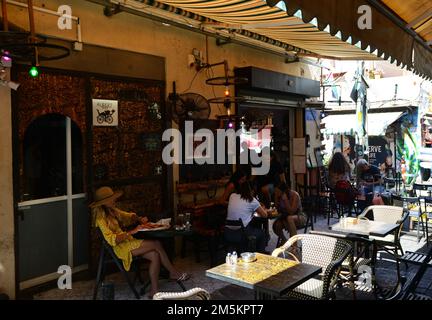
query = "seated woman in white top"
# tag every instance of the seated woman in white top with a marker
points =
(242, 205)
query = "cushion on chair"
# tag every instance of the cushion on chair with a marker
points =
(387, 240)
(311, 289)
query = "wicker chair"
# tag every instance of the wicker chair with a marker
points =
(388, 214)
(192, 294)
(390, 243)
(323, 251)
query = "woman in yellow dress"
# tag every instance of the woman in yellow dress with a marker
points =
(112, 223)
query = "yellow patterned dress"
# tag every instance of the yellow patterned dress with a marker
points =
(111, 229)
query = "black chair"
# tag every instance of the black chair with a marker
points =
(425, 214)
(107, 255)
(236, 237)
(311, 203)
(423, 190)
(326, 200)
(417, 214)
(407, 287)
(207, 226)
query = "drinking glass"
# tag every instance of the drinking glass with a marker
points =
(180, 219)
(187, 217)
(188, 221)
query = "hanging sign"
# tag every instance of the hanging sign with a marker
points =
(105, 112)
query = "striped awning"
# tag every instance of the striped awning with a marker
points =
(400, 29)
(255, 17)
(417, 14)
(348, 123)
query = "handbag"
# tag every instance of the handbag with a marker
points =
(377, 200)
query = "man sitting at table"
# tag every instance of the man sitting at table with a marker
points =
(369, 176)
(242, 205)
(369, 181)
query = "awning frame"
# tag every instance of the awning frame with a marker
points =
(395, 43)
(396, 115)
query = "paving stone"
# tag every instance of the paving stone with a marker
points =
(386, 277)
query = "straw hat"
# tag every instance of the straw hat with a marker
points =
(104, 195)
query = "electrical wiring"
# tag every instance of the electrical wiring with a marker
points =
(208, 70)
(193, 79)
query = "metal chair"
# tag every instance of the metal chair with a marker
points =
(311, 204)
(107, 255)
(425, 214)
(408, 286)
(318, 250)
(412, 205)
(422, 190)
(192, 294)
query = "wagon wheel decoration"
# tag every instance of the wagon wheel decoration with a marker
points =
(27, 47)
(226, 81)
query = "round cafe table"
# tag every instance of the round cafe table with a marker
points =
(166, 237)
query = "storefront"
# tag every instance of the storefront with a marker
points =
(96, 117)
(62, 151)
(278, 100)
(64, 148)
(385, 141)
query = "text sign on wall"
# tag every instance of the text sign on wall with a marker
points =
(379, 150)
(105, 112)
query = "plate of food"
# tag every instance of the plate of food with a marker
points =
(151, 226)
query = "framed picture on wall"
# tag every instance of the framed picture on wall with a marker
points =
(105, 112)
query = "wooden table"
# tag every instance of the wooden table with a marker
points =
(267, 275)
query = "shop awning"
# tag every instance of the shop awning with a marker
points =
(319, 28)
(257, 20)
(399, 28)
(417, 14)
(347, 123)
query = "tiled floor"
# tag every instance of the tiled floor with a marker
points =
(386, 275)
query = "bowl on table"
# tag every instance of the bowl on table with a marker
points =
(248, 256)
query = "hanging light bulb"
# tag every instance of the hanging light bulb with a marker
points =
(34, 72)
(6, 60)
(227, 92)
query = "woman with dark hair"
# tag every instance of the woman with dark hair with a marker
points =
(387, 166)
(338, 169)
(289, 206)
(242, 205)
(233, 184)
